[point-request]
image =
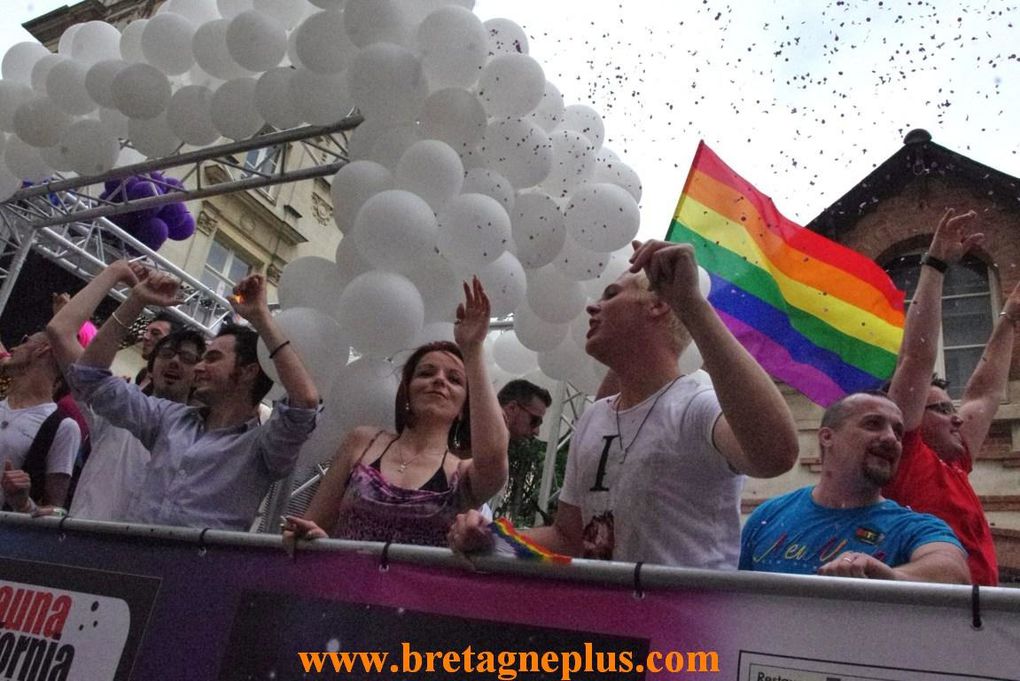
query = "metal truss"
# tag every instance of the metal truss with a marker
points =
(66, 221)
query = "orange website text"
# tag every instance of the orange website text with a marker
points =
(506, 665)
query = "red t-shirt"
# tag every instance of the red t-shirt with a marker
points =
(927, 484)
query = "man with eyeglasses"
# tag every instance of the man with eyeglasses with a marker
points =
(29, 421)
(210, 465)
(940, 438)
(524, 405)
(115, 469)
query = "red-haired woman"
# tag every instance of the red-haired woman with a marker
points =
(449, 453)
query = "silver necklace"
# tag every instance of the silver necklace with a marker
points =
(619, 433)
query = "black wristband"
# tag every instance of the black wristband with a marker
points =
(279, 347)
(935, 263)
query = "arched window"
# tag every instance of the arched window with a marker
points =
(968, 313)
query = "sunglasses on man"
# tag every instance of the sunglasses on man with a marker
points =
(189, 357)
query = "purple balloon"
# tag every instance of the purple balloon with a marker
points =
(182, 229)
(152, 232)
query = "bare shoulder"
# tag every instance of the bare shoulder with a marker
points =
(357, 440)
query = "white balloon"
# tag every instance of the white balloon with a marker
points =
(131, 42)
(375, 21)
(704, 281)
(474, 230)
(189, 115)
(287, 13)
(319, 342)
(56, 158)
(363, 394)
(94, 42)
(505, 284)
(434, 331)
(40, 122)
(12, 95)
(554, 297)
(320, 99)
(454, 116)
(354, 184)
(573, 162)
(65, 85)
(511, 355)
(619, 262)
(382, 311)
(140, 91)
(391, 144)
(579, 263)
(256, 41)
(209, 45)
(19, 60)
(166, 43)
(386, 82)
(349, 262)
(490, 183)
(511, 85)
(196, 11)
(9, 183)
(563, 361)
(506, 37)
(128, 156)
(535, 333)
(549, 112)
(232, 109)
(602, 217)
(67, 39)
(519, 150)
(322, 44)
(432, 170)
(690, 359)
(273, 101)
(115, 122)
(41, 71)
(153, 136)
(231, 8)
(99, 80)
(393, 228)
(25, 162)
(454, 46)
(539, 229)
(333, 5)
(609, 168)
(90, 147)
(585, 120)
(439, 285)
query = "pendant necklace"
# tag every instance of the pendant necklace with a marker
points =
(619, 433)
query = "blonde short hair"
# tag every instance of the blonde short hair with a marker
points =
(678, 333)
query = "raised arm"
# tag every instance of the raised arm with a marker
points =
(987, 385)
(909, 388)
(756, 432)
(249, 301)
(158, 289)
(63, 328)
(488, 467)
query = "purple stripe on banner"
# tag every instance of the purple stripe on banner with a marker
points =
(776, 360)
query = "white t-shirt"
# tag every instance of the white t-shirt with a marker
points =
(673, 500)
(18, 428)
(113, 474)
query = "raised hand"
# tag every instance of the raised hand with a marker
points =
(472, 316)
(249, 299)
(952, 238)
(671, 269)
(1011, 309)
(159, 289)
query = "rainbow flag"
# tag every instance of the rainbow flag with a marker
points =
(816, 315)
(510, 541)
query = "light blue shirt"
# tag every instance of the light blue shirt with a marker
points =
(196, 477)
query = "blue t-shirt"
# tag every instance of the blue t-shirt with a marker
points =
(793, 534)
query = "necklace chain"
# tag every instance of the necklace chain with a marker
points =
(619, 433)
(402, 466)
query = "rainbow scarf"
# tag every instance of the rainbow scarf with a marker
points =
(816, 315)
(514, 542)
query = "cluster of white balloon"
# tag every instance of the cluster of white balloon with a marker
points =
(468, 162)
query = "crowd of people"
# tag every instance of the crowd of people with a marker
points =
(655, 470)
